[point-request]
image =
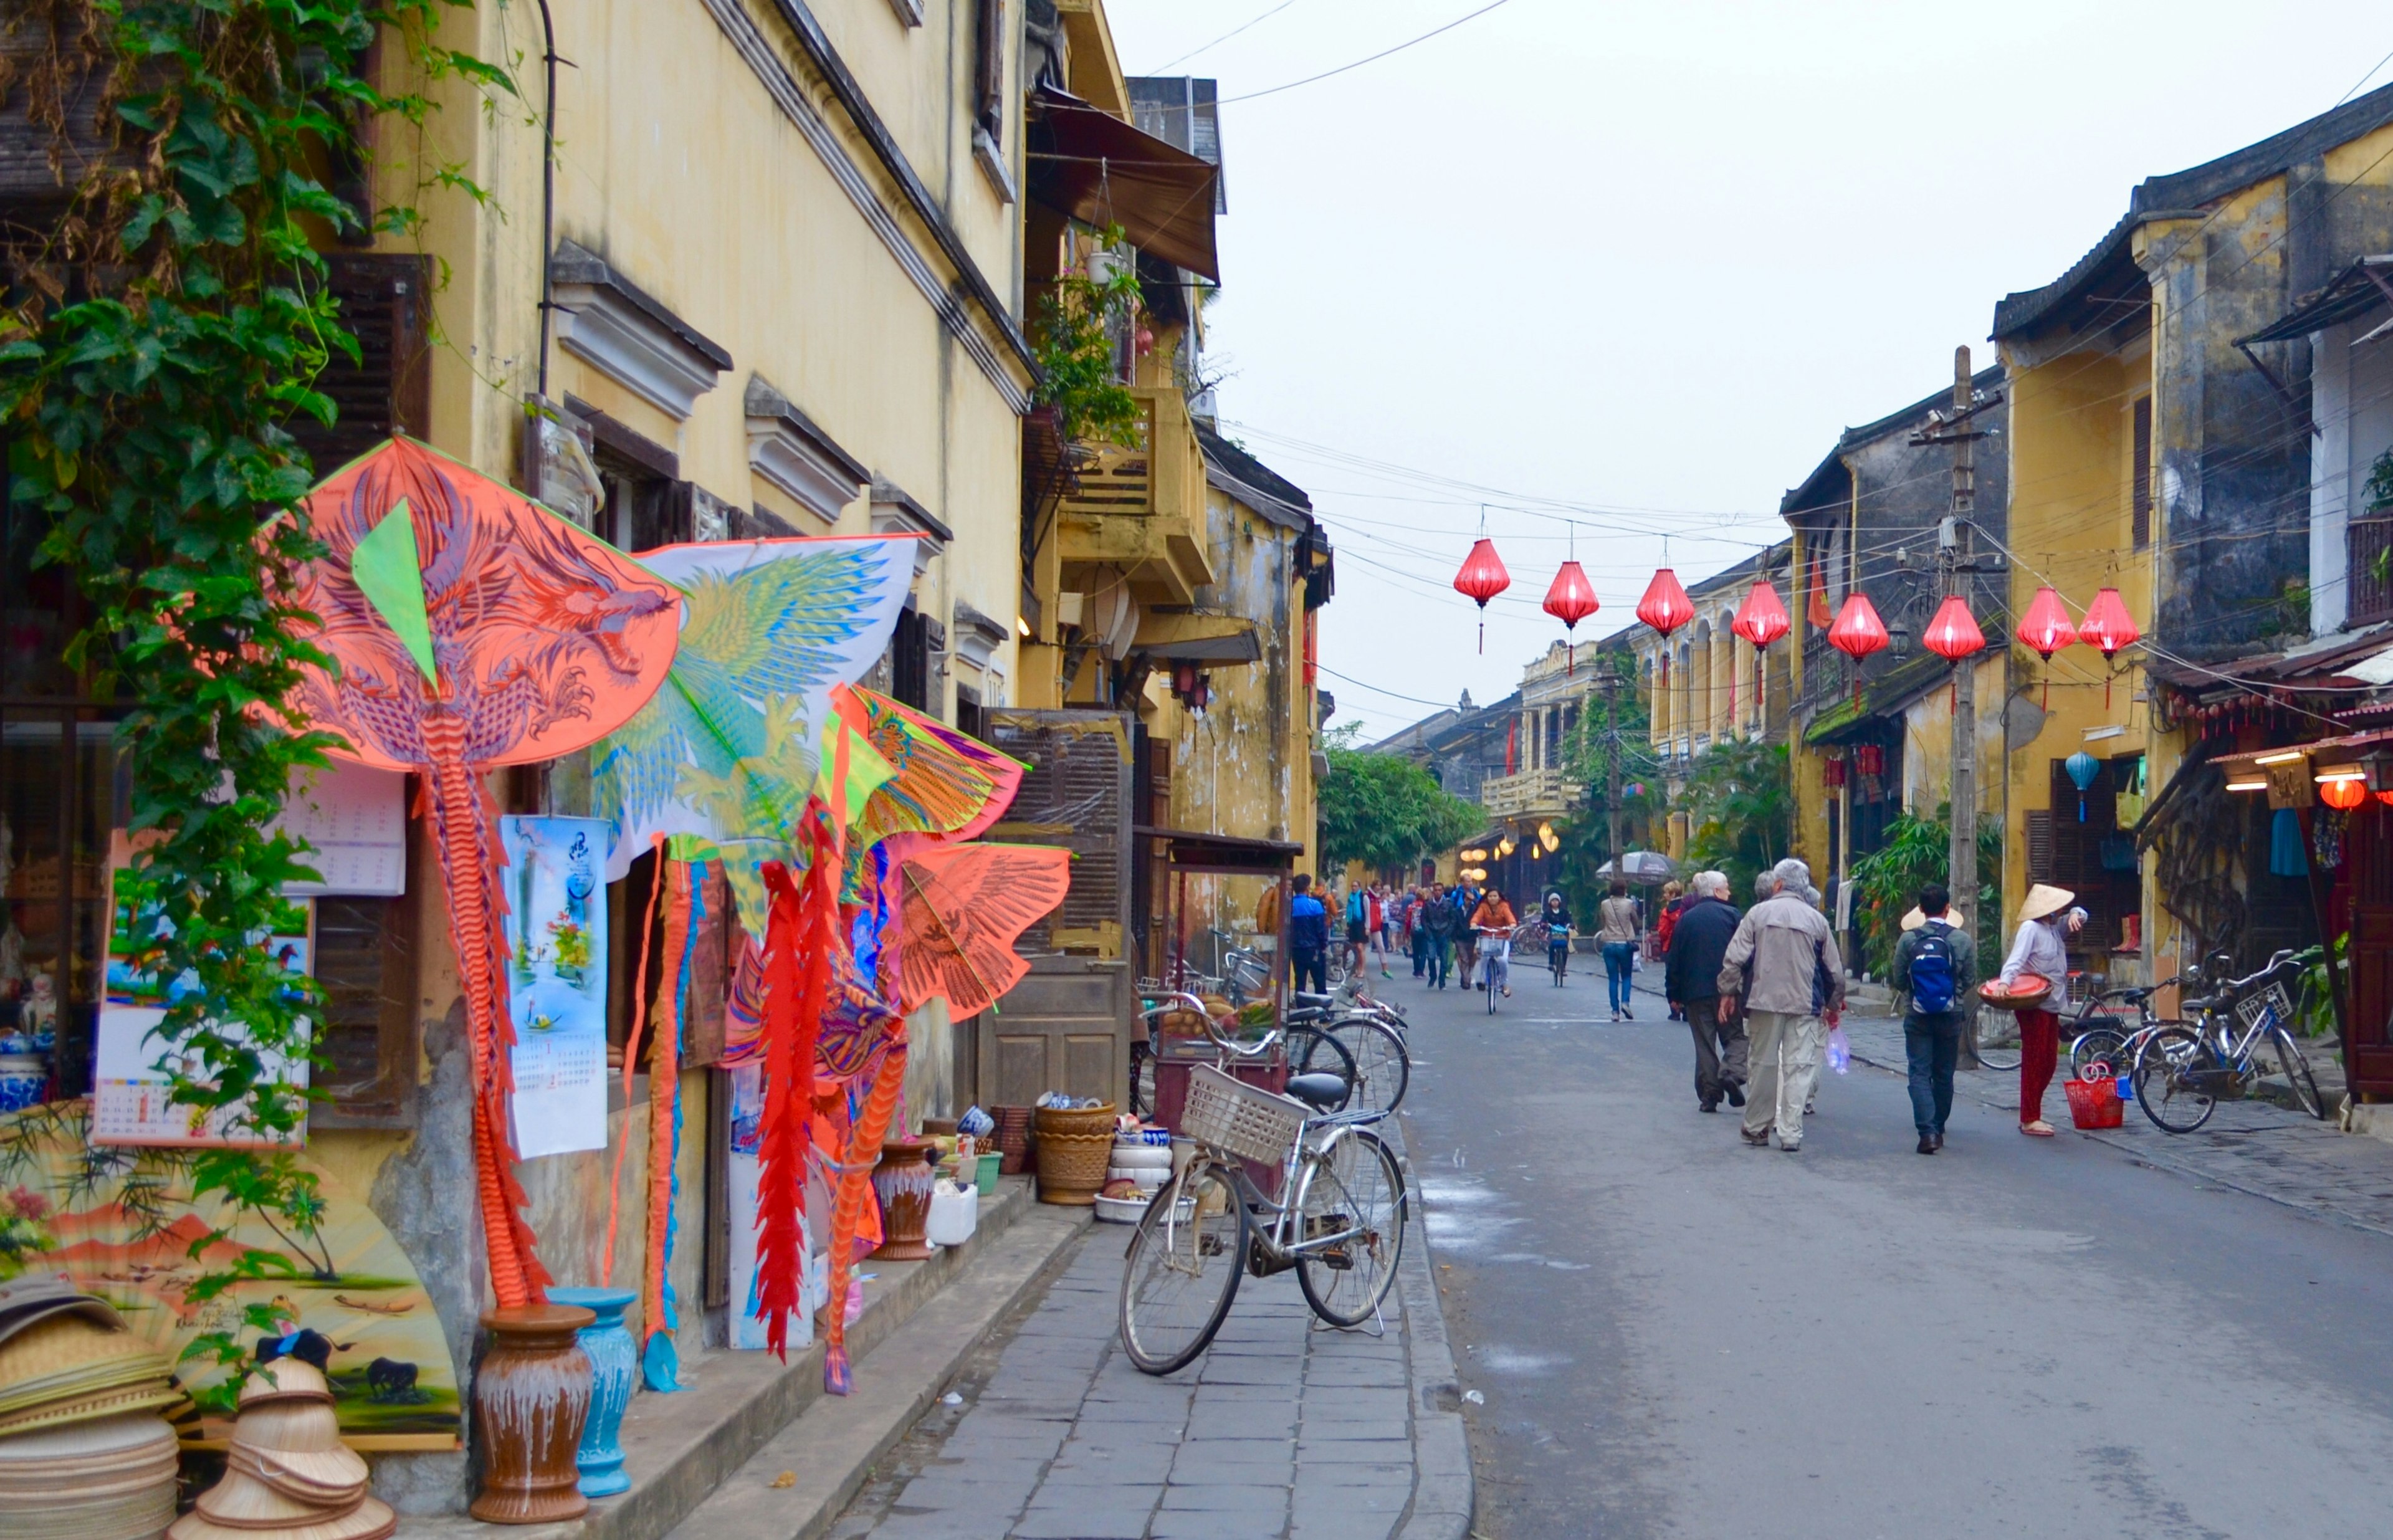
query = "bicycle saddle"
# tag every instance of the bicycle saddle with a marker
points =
(1322, 1092)
(1301, 996)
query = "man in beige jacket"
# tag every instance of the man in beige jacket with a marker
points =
(1783, 962)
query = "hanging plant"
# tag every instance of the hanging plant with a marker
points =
(1080, 317)
(160, 336)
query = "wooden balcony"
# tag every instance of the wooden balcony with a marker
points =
(1530, 795)
(1141, 508)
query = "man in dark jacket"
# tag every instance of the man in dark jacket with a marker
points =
(1935, 965)
(1439, 921)
(1691, 981)
(1308, 937)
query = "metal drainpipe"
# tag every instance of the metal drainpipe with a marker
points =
(547, 187)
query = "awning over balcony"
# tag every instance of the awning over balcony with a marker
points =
(1093, 166)
(2363, 287)
(1198, 639)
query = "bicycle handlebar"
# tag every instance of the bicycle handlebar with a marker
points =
(2282, 968)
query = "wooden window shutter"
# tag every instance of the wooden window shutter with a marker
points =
(989, 67)
(384, 302)
(2039, 845)
(2141, 523)
(1077, 794)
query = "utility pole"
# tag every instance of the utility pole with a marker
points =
(1611, 678)
(1956, 564)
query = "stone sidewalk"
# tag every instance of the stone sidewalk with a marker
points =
(2250, 1146)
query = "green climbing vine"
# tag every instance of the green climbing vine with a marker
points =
(159, 334)
(1080, 317)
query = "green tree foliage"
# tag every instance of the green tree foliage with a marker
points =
(1074, 342)
(1622, 727)
(1385, 811)
(1919, 851)
(1740, 810)
(151, 351)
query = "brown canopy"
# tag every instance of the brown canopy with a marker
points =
(1100, 170)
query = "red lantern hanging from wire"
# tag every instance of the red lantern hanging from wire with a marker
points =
(1666, 607)
(2343, 792)
(1761, 619)
(1953, 636)
(1482, 577)
(1858, 632)
(2110, 630)
(1570, 600)
(2046, 630)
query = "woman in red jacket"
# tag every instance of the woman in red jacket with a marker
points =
(1673, 895)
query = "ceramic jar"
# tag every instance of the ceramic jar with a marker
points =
(904, 1181)
(614, 1365)
(23, 1079)
(531, 1400)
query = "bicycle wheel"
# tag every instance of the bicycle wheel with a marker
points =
(2106, 1046)
(1998, 1040)
(1356, 1190)
(1312, 1050)
(2172, 1075)
(1183, 1268)
(1382, 1068)
(2298, 1070)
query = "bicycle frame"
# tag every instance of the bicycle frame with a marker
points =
(1303, 1160)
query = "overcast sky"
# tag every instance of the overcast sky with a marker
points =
(1640, 265)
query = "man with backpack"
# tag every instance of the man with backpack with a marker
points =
(1935, 964)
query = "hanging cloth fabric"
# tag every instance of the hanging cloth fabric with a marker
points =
(2286, 856)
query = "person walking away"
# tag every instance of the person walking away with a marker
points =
(1691, 966)
(1782, 963)
(1438, 922)
(2041, 947)
(1617, 934)
(1665, 921)
(1466, 940)
(1308, 937)
(1935, 965)
(1557, 915)
(1382, 902)
(1495, 919)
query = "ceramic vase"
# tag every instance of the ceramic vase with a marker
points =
(531, 1400)
(904, 1181)
(23, 1079)
(614, 1363)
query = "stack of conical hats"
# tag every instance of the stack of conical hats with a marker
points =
(288, 1476)
(84, 1454)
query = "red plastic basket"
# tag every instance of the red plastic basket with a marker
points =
(2094, 1103)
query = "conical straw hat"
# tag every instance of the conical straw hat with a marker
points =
(330, 1476)
(67, 1355)
(241, 1501)
(147, 1396)
(2044, 899)
(371, 1520)
(286, 1379)
(31, 1297)
(141, 1432)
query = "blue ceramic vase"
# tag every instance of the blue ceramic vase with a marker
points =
(614, 1363)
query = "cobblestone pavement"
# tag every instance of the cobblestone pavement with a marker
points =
(1279, 1431)
(2253, 1147)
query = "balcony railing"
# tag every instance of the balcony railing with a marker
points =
(1140, 507)
(2367, 543)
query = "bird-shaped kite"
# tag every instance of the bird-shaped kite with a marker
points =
(467, 629)
(962, 906)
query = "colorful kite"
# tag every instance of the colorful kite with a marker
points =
(468, 628)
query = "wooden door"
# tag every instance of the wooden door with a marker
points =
(2368, 848)
(1067, 1026)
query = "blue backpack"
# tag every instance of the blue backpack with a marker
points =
(1934, 980)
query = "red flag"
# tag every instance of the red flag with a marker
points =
(1817, 610)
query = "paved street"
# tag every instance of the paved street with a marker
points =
(1678, 1334)
(1279, 1429)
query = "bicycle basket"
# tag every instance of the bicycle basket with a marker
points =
(2272, 1002)
(1241, 1119)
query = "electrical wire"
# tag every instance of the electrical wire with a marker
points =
(1274, 90)
(1224, 38)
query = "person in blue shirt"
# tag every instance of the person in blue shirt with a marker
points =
(1308, 937)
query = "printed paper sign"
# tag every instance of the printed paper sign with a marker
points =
(355, 817)
(557, 981)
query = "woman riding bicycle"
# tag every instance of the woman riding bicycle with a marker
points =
(1494, 918)
(1557, 915)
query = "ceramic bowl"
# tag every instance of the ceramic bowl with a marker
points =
(22, 1080)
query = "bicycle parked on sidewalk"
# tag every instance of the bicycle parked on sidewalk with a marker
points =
(1307, 1044)
(1336, 1213)
(2182, 1072)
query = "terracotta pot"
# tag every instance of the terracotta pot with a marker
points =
(903, 1180)
(614, 1363)
(1013, 1138)
(532, 1398)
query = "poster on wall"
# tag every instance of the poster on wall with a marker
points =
(121, 1224)
(130, 1078)
(557, 978)
(355, 817)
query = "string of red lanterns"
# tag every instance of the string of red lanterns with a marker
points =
(1571, 600)
(1482, 577)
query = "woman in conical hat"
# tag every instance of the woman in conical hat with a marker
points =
(2046, 922)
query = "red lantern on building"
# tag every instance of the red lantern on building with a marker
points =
(1761, 619)
(2108, 629)
(2046, 629)
(1858, 632)
(1571, 600)
(2344, 794)
(1482, 577)
(1666, 607)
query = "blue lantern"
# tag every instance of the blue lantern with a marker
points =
(2083, 768)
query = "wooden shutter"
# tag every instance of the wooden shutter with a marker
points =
(384, 302)
(2039, 845)
(2141, 523)
(1077, 794)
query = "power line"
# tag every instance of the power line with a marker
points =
(1226, 38)
(1274, 90)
